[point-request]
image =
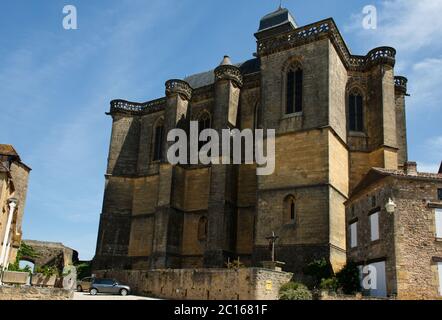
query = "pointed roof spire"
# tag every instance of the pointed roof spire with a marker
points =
(226, 61)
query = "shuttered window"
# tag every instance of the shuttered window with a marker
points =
(439, 265)
(354, 235)
(374, 226)
(439, 223)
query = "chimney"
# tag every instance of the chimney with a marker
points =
(410, 168)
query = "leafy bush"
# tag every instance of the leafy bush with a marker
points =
(348, 278)
(330, 284)
(16, 267)
(26, 251)
(319, 270)
(83, 270)
(294, 291)
(48, 271)
(23, 251)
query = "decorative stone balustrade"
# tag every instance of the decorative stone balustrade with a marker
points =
(229, 72)
(381, 55)
(137, 108)
(401, 83)
(320, 30)
(176, 86)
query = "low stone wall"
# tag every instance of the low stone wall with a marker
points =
(33, 293)
(12, 277)
(326, 296)
(203, 284)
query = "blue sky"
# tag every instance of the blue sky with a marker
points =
(55, 85)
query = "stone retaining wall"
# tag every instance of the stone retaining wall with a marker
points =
(203, 284)
(33, 293)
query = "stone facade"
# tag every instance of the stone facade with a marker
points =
(153, 212)
(14, 175)
(203, 284)
(407, 241)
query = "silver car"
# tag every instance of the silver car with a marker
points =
(109, 286)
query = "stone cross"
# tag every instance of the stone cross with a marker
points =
(272, 240)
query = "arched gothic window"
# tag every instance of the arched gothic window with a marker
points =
(295, 77)
(158, 141)
(290, 209)
(202, 229)
(204, 122)
(356, 112)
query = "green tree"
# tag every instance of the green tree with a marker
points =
(348, 278)
(294, 291)
(24, 251)
(319, 270)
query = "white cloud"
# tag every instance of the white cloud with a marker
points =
(436, 145)
(427, 167)
(411, 25)
(425, 78)
(407, 25)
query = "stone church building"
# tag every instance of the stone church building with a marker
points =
(336, 115)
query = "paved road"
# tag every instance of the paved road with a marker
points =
(87, 296)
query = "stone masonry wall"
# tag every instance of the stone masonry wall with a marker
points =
(32, 293)
(203, 284)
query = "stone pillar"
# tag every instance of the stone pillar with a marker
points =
(401, 121)
(228, 81)
(382, 96)
(178, 95)
(6, 244)
(115, 220)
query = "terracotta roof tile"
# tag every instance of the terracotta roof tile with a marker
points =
(7, 150)
(401, 173)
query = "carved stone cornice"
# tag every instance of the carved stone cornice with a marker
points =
(176, 86)
(229, 72)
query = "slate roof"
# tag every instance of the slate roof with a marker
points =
(207, 78)
(276, 18)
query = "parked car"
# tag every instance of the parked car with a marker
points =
(84, 284)
(108, 286)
